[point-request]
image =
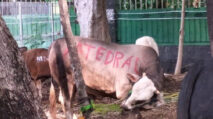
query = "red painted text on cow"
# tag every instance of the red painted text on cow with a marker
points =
(117, 58)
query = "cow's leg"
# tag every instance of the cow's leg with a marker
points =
(61, 100)
(52, 99)
(121, 93)
(52, 96)
(70, 85)
(66, 86)
(39, 87)
(122, 89)
(67, 103)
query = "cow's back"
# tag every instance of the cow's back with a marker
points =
(37, 63)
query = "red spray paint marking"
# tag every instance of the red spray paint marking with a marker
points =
(127, 62)
(136, 65)
(118, 56)
(100, 53)
(79, 47)
(66, 51)
(89, 47)
(109, 55)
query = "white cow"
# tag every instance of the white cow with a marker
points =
(110, 68)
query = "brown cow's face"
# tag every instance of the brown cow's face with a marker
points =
(142, 91)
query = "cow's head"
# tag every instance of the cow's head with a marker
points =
(143, 93)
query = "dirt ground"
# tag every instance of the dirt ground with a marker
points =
(167, 111)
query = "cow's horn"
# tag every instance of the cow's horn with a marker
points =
(157, 92)
(144, 74)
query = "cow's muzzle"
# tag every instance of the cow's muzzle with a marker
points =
(155, 101)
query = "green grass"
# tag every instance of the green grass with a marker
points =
(171, 97)
(105, 108)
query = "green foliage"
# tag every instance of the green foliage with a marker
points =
(35, 41)
(171, 97)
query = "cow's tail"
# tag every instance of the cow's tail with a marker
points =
(62, 78)
(187, 90)
(52, 99)
(59, 76)
(148, 41)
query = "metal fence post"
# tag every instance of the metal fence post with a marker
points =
(52, 21)
(141, 4)
(20, 25)
(130, 4)
(120, 2)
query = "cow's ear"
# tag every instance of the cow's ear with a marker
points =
(133, 77)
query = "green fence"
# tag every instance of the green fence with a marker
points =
(37, 30)
(35, 25)
(163, 25)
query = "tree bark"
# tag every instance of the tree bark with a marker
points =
(210, 22)
(18, 96)
(181, 38)
(91, 15)
(74, 59)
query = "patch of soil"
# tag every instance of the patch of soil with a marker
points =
(172, 83)
(167, 111)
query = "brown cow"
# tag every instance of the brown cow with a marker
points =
(38, 66)
(111, 68)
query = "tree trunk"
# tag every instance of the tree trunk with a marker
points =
(18, 96)
(210, 22)
(74, 59)
(181, 38)
(91, 15)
